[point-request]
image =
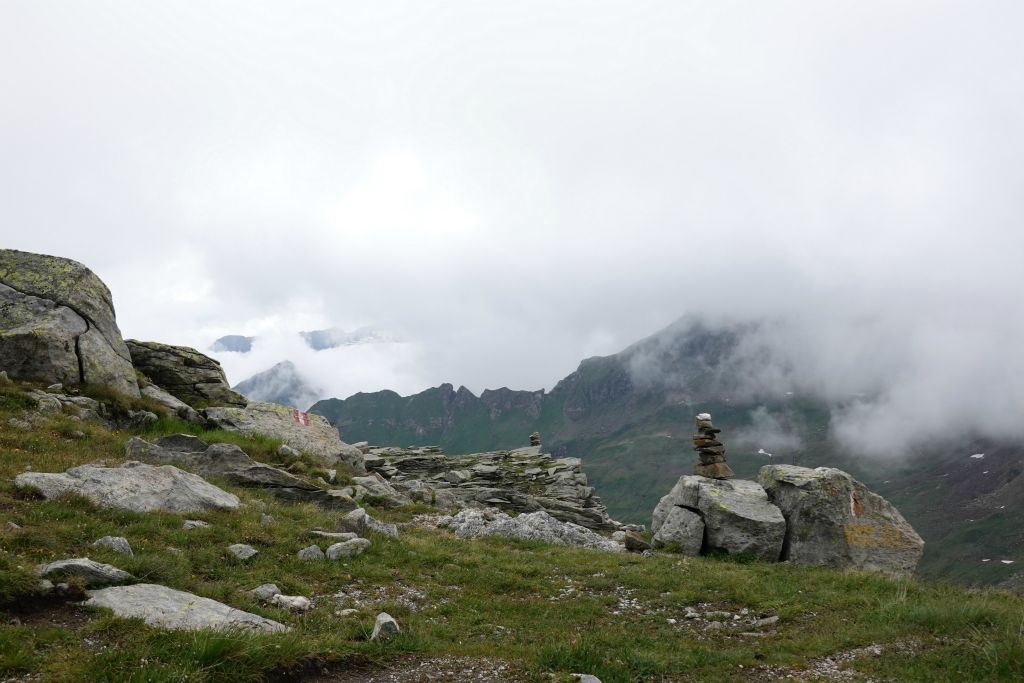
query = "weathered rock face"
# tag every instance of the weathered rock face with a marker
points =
(232, 463)
(832, 519)
(303, 431)
(164, 607)
(177, 406)
(133, 486)
(737, 516)
(183, 372)
(523, 480)
(57, 324)
(683, 528)
(532, 526)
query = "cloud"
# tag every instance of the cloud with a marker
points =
(523, 185)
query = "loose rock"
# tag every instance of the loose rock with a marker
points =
(347, 549)
(266, 591)
(119, 544)
(242, 551)
(90, 573)
(313, 552)
(384, 627)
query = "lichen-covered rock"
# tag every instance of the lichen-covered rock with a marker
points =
(119, 544)
(133, 486)
(738, 517)
(346, 550)
(521, 480)
(532, 526)
(57, 324)
(183, 372)
(163, 607)
(242, 551)
(310, 553)
(175, 405)
(360, 522)
(303, 431)
(834, 520)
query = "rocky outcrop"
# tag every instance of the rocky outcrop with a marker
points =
(133, 486)
(163, 607)
(232, 463)
(522, 480)
(57, 324)
(303, 431)
(832, 519)
(172, 403)
(737, 516)
(183, 372)
(532, 526)
(681, 529)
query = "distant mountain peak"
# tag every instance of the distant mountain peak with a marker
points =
(233, 343)
(282, 383)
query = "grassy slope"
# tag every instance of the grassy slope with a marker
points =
(491, 597)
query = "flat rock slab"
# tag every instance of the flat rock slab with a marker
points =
(834, 520)
(532, 526)
(133, 486)
(318, 437)
(164, 607)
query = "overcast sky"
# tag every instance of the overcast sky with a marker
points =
(518, 185)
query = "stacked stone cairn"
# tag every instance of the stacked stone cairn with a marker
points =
(710, 450)
(535, 439)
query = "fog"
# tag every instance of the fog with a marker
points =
(521, 186)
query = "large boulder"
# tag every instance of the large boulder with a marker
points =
(304, 431)
(57, 324)
(231, 462)
(681, 528)
(834, 520)
(133, 486)
(738, 517)
(183, 372)
(532, 526)
(164, 607)
(89, 572)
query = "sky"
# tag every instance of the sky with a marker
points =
(517, 186)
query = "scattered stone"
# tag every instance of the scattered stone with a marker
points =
(242, 551)
(833, 519)
(338, 536)
(89, 572)
(163, 607)
(384, 627)
(313, 552)
(132, 486)
(286, 451)
(634, 542)
(58, 387)
(619, 536)
(710, 450)
(194, 524)
(361, 523)
(57, 324)
(346, 550)
(266, 519)
(533, 526)
(346, 612)
(295, 603)
(767, 621)
(172, 403)
(12, 526)
(266, 591)
(586, 678)
(119, 544)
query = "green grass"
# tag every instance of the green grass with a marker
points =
(486, 598)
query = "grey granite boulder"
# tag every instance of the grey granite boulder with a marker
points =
(311, 553)
(119, 544)
(834, 520)
(133, 486)
(242, 551)
(384, 627)
(266, 591)
(681, 528)
(183, 372)
(360, 522)
(306, 432)
(738, 517)
(163, 607)
(89, 572)
(346, 550)
(57, 324)
(531, 526)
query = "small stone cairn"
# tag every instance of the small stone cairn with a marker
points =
(710, 450)
(535, 439)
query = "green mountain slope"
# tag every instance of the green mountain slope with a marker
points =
(629, 416)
